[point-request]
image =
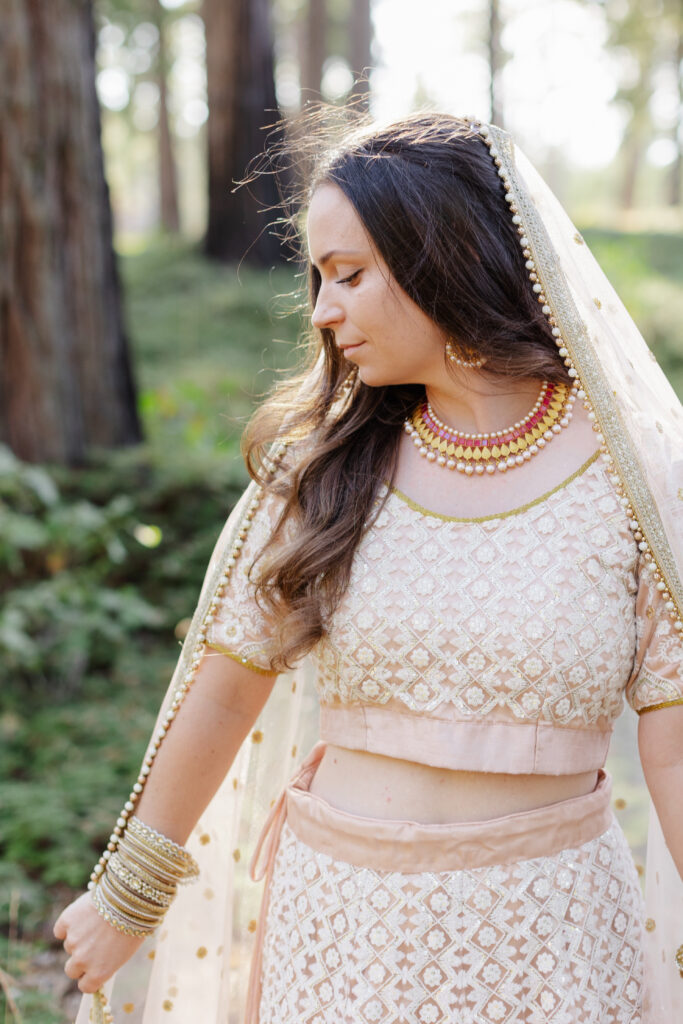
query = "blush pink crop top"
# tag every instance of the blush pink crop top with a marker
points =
(500, 644)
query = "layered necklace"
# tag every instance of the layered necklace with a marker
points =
(500, 449)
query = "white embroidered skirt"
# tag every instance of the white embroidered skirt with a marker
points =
(534, 918)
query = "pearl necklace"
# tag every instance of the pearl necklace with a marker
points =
(498, 449)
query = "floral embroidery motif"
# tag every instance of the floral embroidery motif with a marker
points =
(528, 617)
(554, 938)
(536, 616)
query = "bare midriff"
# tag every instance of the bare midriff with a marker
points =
(374, 786)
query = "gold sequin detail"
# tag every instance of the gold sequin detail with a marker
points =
(294, 750)
(650, 612)
(236, 855)
(578, 239)
(201, 952)
(650, 924)
(150, 955)
(234, 783)
(640, 870)
(620, 803)
(251, 927)
(167, 1005)
(208, 894)
(598, 303)
(128, 1007)
(205, 838)
(256, 736)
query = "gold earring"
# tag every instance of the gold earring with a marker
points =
(471, 363)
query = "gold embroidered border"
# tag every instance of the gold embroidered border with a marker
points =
(496, 515)
(663, 704)
(575, 336)
(245, 662)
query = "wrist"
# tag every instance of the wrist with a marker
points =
(139, 879)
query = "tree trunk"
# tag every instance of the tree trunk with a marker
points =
(360, 47)
(633, 145)
(241, 91)
(65, 377)
(496, 62)
(677, 133)
(168, 178)
(632, 152)
(313, 49)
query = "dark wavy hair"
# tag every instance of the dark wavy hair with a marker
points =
(429, 195)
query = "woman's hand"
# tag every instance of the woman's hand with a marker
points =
(96, 948)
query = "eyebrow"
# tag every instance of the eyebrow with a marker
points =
(335, 252)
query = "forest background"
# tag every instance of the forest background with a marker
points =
(145, 306)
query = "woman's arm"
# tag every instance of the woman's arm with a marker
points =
(660, 741)
(219, 709)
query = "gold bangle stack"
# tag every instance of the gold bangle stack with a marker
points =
(139, 882)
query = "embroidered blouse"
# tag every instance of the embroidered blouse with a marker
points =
(505, 643)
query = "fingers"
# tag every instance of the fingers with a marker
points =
(59, 930)
(86, 982)
(88, 986)
(73, 968)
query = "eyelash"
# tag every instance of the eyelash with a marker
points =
(347, 280)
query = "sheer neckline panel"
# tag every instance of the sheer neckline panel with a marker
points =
(495, 515)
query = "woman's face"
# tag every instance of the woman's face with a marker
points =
(378, 327)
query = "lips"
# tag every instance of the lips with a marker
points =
(350, 348)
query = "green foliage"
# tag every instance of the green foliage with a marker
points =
(65, 604)
(647, 272)
(203, 345)
(30, 970)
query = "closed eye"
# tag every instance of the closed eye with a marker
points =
(351, 277)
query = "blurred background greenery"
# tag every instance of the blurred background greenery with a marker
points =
(104, 538)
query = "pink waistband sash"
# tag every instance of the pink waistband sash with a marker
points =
(409, 846)
(267, 844)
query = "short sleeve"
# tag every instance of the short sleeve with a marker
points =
(239, 626)
(657, 678)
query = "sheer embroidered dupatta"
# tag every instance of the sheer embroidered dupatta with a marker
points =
(641, 420)
(196, 967)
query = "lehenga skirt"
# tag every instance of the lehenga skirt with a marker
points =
(530, 918)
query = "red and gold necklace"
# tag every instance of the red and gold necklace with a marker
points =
(499, 449)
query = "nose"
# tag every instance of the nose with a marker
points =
(327, 311)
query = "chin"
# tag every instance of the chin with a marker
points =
(373, 377)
